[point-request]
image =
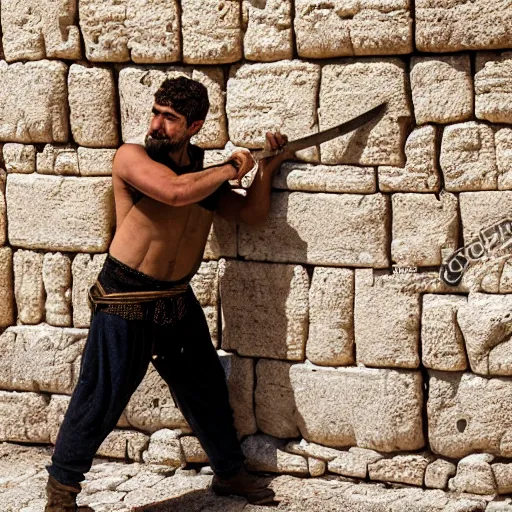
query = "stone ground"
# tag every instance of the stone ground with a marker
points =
(122, 487)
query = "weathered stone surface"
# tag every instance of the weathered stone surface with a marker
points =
(301, 228)
(55, 414)
(407, 469)
(35, 29)
(314, 450)
(359, 28)
(450, 26)
(389, 335)
(268, 30)
(468, 157)
(274, 400)
(265, 453)
(28, 286)
(493, 87)
(438, 473)
(7, 301)
(222, 240)
(349, 89)
(276, 96)
(325, 178)
(95, 162)
(85, 269)
(33, 102)
(441, 337)
(137, 87)
(474, 475)
(211, 31)
(419, 240)
(331, 309)
(192, 450)
(503, 477)
(503, 141)
(468, 413)
(60, 213)
(353, 463)
(442, 89)
(421, 173)
(164, 448)
(19, 158)
(57, 285)
(92, 103)
(275, 325)
(59, 160)
(121, 444)
(316, 467)
(117, 31)
(3, 215)
(370, 408)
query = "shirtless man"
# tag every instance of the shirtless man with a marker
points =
(143, 307)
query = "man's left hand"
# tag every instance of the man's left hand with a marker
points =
(275, 141)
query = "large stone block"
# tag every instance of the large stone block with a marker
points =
(469, 414)
(264, 309)
(474, 475)
(302, 228)
(60, 213)
(58, 160)
(442, 89)
(389, 335)
(120, 30)
(350, 88)
(468, 157)
(268, 97)
(421, 173)
(52, 364)
(331, 311)
(268, 30)
(36, 29)
(454, 25)
(28, 286)
(371, 408)
(19, 158)
(340, 28)
(33, 102)
(503, 141)
(92, 102)
(407, 469)
(211, 31)
(7, 302)
(57, 285)
(95, 162)
(420, 239)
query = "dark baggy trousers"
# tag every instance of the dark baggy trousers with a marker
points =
(115, 359)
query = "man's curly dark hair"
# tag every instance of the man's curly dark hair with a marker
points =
(188, 97)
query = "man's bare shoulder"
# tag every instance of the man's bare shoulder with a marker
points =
(128, 151)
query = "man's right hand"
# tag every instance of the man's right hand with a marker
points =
(244, 163)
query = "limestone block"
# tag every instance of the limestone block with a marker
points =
(474, 474)
(60, 213)
(192, 450)
(407, 469)
(265, 453)
(85, 269)
(164, 448)
(325, 178)
(117, 30)
(313, 450)
(124, 444)
(95, 162)
(389, 336)
(221, 240)
(349, 89)
(34, 29)
(92, 103)
(302, 227)
(23, 417)
(331, 309)
(468, 157)
(353, 463)
(503, 141)
(211, 31)
(338, 28)
(271, 97)
(55, 414)
(19, 158)
(438, 473)
(59, 160)
(450, 26)
(3, 216)
(316, 467)
(267, 30)
(486, 324)
(503, 476)
(369, 408)
(6, 287)
(28, 286)
(275, 324)
(274, 400)
(419, 240)
(442, 89)
(441, 338)
(468, 413)
(493, 87)
(421, 173)
(57, 285)
(137, 87)
(33, 102)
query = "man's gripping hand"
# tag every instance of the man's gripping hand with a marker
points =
(243, 162)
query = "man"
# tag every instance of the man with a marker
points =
(143, 307)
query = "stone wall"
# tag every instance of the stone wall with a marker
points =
(335, 362)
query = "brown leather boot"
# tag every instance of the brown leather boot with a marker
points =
(62, 498)
(250, 487)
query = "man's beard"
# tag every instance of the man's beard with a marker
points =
(157, 147)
